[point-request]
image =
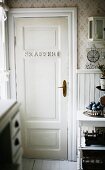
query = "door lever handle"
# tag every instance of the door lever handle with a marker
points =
(64, 87)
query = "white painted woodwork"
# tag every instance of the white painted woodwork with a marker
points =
(87, 91)
(71, 15)
(4, 74)
(38, 164)
(48, 37)
(44, 108)
(2, 39)
(15, 148)
(5, 105)
(13, 124)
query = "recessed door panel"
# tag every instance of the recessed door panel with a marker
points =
(43, 139)
(41, 77)
(42, 38)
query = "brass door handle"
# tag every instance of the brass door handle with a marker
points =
(64, 87)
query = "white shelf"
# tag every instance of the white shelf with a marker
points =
(88, 71)
(83, 117)
(87, 122)
(92, 148)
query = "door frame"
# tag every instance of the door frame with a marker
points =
(71, 14)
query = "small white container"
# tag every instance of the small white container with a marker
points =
(102, 82)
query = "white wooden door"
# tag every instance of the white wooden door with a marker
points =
(41, 66)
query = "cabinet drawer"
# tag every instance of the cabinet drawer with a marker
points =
(16, 143)
(15, 124)
(18, 155)
(19, 162)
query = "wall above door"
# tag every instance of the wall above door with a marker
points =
(85, 9)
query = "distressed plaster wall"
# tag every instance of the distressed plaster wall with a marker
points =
(85, 8)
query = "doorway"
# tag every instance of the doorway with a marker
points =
(43, 60)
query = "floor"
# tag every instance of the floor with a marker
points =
(37, 164)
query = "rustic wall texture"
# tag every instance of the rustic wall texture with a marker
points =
(85, 8)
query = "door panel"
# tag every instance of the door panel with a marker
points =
(41, 77)
(48, 37)
(43, 139)
(41, 67)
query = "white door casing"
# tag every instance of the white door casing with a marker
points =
(29, 63)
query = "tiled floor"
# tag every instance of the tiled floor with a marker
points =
(37, 164)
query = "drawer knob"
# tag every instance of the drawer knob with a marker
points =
(16, 124)
(16, 142)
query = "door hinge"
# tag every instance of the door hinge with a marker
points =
(15, 40)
